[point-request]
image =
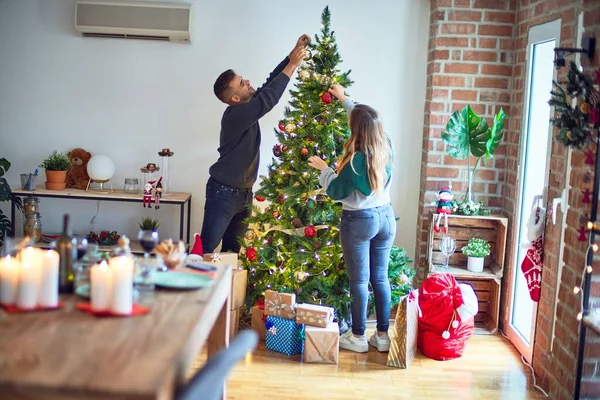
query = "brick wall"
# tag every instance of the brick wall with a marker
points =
(469, 62)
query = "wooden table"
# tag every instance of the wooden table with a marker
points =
(68, 354)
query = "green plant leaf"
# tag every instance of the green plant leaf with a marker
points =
(496, 134)
(466, 133)
(4, 166)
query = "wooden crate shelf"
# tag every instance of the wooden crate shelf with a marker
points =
(487, 284)
(462, 228)
(488, 295)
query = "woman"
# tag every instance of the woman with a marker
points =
(362, 184)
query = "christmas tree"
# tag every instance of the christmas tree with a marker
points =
(293, 244)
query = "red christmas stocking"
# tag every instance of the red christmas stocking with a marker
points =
(532, 268)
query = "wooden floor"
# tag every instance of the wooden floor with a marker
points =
(489, 369)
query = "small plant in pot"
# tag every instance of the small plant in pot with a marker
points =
(149, 224)
(56, 166)
(476, 249)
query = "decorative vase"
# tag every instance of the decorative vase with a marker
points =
(56, 180)
(475, 264)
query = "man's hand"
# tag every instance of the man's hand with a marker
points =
(303, 41)
(317, 162)
(338, 91)
(297, 56)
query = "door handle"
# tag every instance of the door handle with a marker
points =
(562, 202)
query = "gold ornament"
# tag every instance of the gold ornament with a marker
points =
(289, 128)
(250, 234)
(307, 54)
(304, 75)
(584, 108)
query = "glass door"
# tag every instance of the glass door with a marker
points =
(534, 166)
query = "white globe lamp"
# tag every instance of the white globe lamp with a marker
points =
(101, 169)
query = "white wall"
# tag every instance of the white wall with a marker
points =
(129, 99)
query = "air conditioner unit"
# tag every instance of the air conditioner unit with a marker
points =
(134, 20)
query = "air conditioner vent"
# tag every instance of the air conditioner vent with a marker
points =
(134, 20)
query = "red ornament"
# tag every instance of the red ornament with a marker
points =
(327, 97)
(260, 199)
(594, 116)
(251, 254)
(304, 151)
(310, 231)
(281, 126)
(284, 148)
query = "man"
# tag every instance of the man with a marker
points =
(229, 188)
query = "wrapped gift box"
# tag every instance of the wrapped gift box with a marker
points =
(239, 280)
(313, 315)
(258, 321)
(403, 344)
(322, 344)
(222, 258)
(234, 323)
(280, 304)
(284, 336)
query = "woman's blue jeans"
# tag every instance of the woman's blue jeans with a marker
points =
(367, 237)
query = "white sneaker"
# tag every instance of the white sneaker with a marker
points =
(350, 342)
(381, 343)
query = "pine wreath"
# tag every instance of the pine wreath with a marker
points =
(575, 127)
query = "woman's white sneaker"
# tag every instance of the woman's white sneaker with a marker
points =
(381, 343)
(350, 342)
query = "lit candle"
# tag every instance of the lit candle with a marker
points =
(34, 257)
(9, 278)
(27, 290)
(100, 286)
(48, 295)
(122, 284)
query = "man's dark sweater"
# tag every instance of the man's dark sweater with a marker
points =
(239, 146)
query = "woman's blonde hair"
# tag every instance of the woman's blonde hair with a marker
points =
(367, 135)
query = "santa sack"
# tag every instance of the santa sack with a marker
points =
(446, 321)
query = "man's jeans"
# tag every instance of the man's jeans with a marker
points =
(225, 210)
(367, 238)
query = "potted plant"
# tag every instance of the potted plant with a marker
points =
(149, 224)
(467, 134)
(5, 195)
(476, 249)
(56, 166)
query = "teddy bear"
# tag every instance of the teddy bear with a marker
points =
(77, 176)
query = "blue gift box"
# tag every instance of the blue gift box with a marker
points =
(284, 335)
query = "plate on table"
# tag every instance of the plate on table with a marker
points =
(83, 291)
(182, 280)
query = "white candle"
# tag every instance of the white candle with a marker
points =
(48, 294)
(9, 279)
(27, 291)
(35, 258)
(122, 284)
(100, 286)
